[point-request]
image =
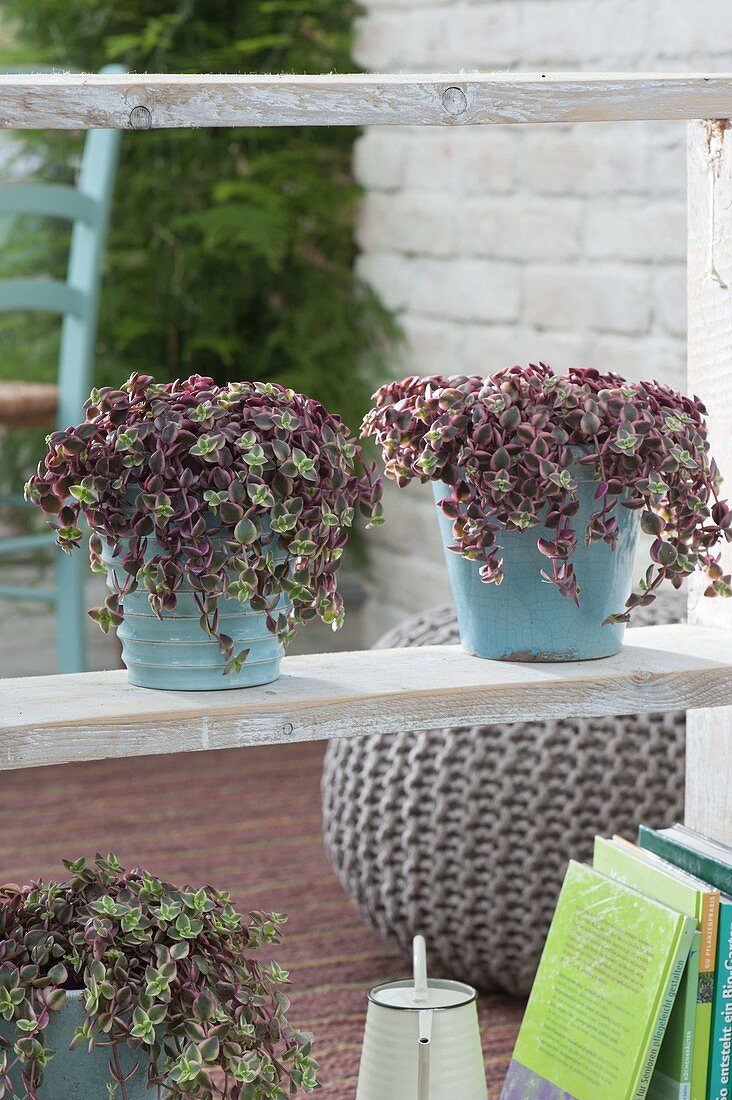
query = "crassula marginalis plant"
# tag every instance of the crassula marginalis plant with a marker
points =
(246, 491)
(166, 971)
(513, 445)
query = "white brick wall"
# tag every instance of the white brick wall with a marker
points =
(501, 245)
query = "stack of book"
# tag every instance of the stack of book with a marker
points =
(633, 995)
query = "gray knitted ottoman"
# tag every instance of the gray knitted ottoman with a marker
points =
(464, 834)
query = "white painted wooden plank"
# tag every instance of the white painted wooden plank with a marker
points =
(144, 101)
(709, 733)
(55, 719)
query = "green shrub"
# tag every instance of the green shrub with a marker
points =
(231, 251)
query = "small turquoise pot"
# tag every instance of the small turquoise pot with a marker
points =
(77, 1074)
(525, 618)
(175, 653)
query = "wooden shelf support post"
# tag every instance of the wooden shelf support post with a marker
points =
(709, 732)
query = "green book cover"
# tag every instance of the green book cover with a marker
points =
(688, 1023)
(603, 994)
(720, 1053)
(680, 1036)
(675, 846)
(720, 1058)
(703, 842)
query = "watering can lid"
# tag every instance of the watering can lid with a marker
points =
(420, 993)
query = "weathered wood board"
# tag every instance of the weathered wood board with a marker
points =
(709, 732)
(71, 101)
(55, 719)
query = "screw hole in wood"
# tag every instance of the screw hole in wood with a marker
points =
(140, 118)
(454, 101)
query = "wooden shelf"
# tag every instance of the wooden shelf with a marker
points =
(141, 102)
(95, 715)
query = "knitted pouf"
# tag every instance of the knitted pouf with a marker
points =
(464, 834)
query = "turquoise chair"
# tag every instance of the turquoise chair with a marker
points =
(76, 300)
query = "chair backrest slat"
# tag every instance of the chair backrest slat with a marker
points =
(41, 295)
(52, 200)
(88, 206)
(78, 335)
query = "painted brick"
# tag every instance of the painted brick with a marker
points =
(411, 519)
(587, 160)
(620, 354)
(437, 38)
(414, 222)
(408, 40)
(381, 156)
(432, 347)
(376, 40)
(466, 290)
(380, 614)
(520, 228)
(389, 274)
(681, 29)
(669, 299)
(638, 229)
(667, 149)
(648, 357)
(433, 163)
(468, 160)
(604, 299)
(389, 5)
(576, 33)
(394, 577)
(487, 159)
(665, 358)
(488, 348)
(489, 36)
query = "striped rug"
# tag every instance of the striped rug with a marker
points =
(247, 821)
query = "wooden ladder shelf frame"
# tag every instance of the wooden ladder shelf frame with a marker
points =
(56, 719)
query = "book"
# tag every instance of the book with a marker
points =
(705, 859)
(704, 845)
(690, 1023)
(695, 853)
(716, 858)
(680, 1036)
(603, 994)
(720, 1057)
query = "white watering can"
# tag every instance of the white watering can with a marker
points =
(422, 1040)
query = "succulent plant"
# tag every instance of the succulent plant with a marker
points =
(512, 446)
(248, 491)
(165, 971)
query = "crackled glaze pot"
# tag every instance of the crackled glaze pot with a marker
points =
(76, 1074)
(525, 618)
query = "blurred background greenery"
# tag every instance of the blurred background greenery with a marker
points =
(231, 251)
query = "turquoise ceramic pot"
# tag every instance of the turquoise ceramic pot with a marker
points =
(175, 653)
(525, 618)
(76, 1074)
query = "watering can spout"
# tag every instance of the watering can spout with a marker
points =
(423, 1056)
(421, 995)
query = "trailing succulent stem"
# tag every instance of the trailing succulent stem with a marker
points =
(165, 971)
(243, 492)
(513, 445)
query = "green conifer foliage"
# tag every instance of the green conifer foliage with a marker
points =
(231, 251)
